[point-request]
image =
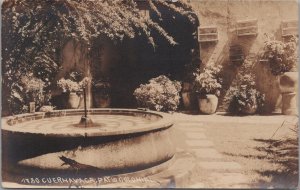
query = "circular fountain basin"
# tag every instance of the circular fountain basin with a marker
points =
(120, 141)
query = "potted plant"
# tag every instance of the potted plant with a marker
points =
(160, 94)
(188, 96)
(282, 60)
(72, 88)
(207, 86)
(101, 94)
(246, 99)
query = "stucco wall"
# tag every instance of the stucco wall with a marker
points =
(225, 14)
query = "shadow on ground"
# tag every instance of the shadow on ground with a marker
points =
(283, 154)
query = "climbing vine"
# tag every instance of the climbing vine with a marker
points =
(34, 32)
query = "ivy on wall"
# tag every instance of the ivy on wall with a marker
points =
(34, 32)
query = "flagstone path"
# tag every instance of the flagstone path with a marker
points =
(213, 171)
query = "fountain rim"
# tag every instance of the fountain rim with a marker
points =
(164, 122)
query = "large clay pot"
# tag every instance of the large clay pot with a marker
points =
(101, 101)
(288, 82)
(186, 87)
(288, 85)
(249, 110)
(208, 104)
(189, 100)
(289, 104)
(73, 100)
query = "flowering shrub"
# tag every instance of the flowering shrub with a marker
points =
(84, 82)
(32, 84)
(68, 85)
(282, 57)
(159, 94)
(33, 88)
(74, 82)
(102, 88)
(208, 82)
(246, 98)
(75, 76)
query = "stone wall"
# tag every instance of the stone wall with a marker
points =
(224, 15)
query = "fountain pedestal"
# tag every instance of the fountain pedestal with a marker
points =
(85, 122)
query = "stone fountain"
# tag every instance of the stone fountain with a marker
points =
(118, 141)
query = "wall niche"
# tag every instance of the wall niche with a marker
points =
(208, 34)
(247, 28)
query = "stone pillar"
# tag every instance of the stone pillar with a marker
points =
(289, 104)
(288, 84)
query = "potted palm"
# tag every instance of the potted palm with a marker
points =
(282, 60)
(207, 86)
(246, 99)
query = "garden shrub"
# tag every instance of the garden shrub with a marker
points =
(246, 97)
(208, 81)
(281, 57)
(160, 94)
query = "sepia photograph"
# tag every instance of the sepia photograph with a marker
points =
(195, 94)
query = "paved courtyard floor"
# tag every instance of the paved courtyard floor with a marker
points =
(217, 141)
(232, 152)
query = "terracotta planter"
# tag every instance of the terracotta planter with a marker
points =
(73, 100)
(289, 104)
(186, 87)
(208, 104)
(189, 100)
(288, 85)
(249, 110)
(101, 101)
(288, 82)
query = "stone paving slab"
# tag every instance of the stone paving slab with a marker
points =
(219, 165)
(194, 124)
(207, 153)
(199, 143)
(229, 180)
(191, 129)
(191, 123)
(195, 135)
(220, 173)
